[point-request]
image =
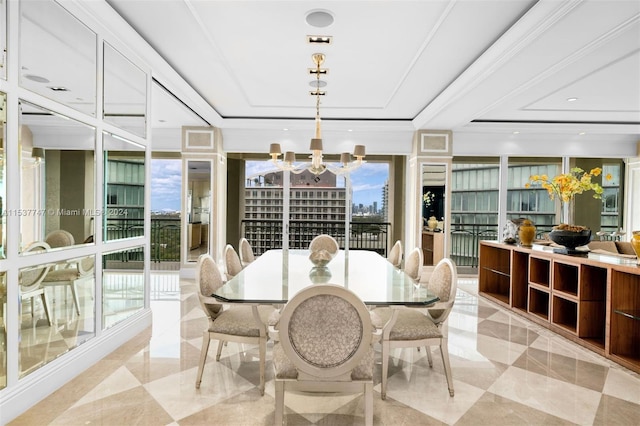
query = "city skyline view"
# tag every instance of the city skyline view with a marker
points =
(166, 176)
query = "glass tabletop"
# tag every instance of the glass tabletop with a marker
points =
(277, 275)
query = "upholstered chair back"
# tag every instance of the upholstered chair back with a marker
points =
(59, 238)
(395, 254)
(324, 242)
(208, 280)
(326, 332)
(413, 264)
(246, 252)
(232, 263)
(444, 283)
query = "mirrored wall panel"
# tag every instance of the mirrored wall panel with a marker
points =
(3, 39)
(122, 285)
(57, 309)
(58, 55)
(3, 176)
(124, 173)
(198, 208)
(57, 167)
(125, 93)
(434, 179)
(3, 329)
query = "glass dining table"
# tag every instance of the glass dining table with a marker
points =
(277, 275)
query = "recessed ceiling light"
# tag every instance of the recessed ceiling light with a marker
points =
(319, 18)
(350, 130)
(285, 129)
(572, 99)
(516, 132)
(36, 78)
(582, 133)
(162, 121)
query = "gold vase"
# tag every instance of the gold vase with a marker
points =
(526, 233)
(635, 243)
(432, 223)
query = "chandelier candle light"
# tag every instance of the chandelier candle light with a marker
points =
(317, 166)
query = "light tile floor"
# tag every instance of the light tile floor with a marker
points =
(506, 370)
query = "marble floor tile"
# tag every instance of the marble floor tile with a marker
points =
(552, 396)
(506, 371)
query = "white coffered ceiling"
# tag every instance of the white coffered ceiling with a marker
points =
(397, 66)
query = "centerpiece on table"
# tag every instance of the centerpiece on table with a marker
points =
(565, 187)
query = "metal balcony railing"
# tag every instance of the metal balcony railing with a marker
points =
(265, 235)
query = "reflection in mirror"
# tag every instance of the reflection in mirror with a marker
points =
(3, 185)
(433, 193)
(124, 179)
(125, 93)
(3, 329)
(198, 208)
(57, 311)
(57, 201)
(3, 39)
(122, 285)
(58, 55)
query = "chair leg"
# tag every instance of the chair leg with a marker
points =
(386, 348)
(279, 416)
(444, 351)
(45, 305)
(75, 297)
(263, 355)
(427, 349)
(368, 404)
(220, 344)
(206, 338)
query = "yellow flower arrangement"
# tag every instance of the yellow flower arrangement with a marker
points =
(566, 186)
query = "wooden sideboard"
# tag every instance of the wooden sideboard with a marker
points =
(432, 247)
(593, 300)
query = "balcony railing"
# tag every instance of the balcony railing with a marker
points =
(265, 235)
(465, 241)
(165, 237)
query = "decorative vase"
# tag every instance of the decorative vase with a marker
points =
(635, 243)
(432, 223)
(526, 233)
(570, 239)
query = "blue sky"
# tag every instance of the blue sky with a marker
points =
(367, 182)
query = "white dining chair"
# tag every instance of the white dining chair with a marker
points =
(323, 343)
(246, 252)
(232, 323)
(232, 263)
(420, 327)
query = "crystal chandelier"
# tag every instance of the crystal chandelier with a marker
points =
(316, 166)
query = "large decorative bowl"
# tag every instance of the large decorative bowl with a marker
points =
(570, 239)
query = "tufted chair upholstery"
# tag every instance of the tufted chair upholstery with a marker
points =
(324, 343)
(413, 264)
(237, 323)
(417, 327)
(59, 238)
(324, 242)
(395, 254)
(232, 263)
(246, 252)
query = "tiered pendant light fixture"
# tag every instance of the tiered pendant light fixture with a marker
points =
(317, 166)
